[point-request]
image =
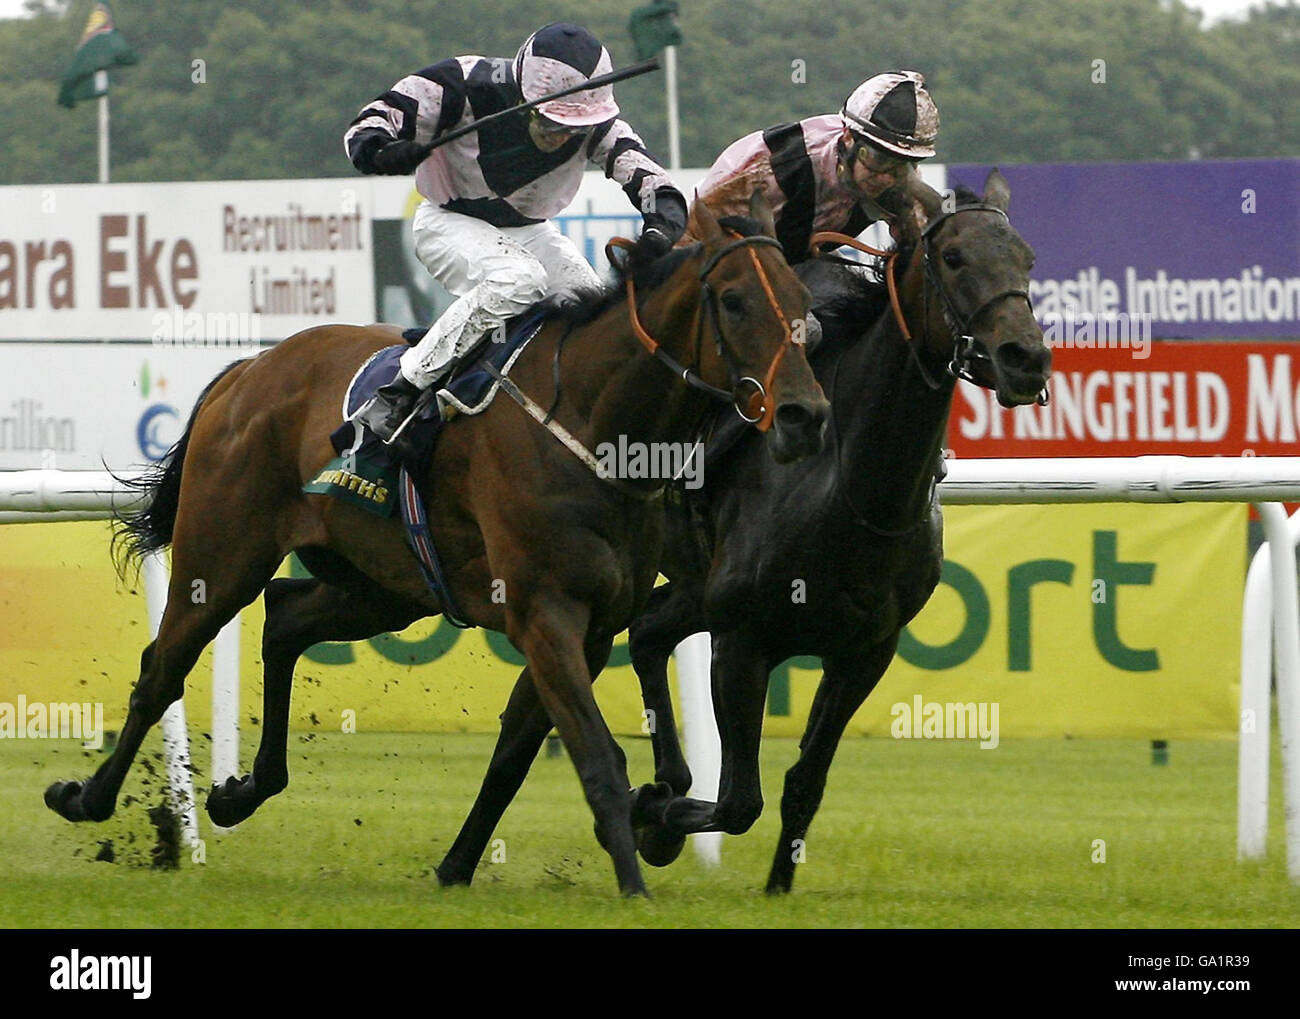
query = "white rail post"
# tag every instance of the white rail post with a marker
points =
(225, 703)
(1256, 707)
(1286, 656)
(703, 744)
(176, 741)
(1255, 721)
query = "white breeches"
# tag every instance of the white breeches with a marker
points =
(494, 272)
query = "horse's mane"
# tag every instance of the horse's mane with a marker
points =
(646, 271)
(848, 299)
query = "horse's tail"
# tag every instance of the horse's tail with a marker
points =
(137, 533)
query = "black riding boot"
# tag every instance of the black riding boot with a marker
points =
(392, 404)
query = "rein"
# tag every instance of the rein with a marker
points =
(891, 283)
(890, 257)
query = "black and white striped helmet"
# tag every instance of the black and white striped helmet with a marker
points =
(894, 111)
(560, 56)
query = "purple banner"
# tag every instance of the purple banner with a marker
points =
(1198, 249)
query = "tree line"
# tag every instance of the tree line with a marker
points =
(245, 89)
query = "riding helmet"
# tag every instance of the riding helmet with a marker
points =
(560, 56)
(893, 111)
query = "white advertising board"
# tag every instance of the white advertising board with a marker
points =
(80, 406)
(131, 261)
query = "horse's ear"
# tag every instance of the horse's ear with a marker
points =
(760, 210)
(916, 205)
(927, 199)
(997, 192)
(703, 224)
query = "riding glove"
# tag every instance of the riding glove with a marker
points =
(399, 157)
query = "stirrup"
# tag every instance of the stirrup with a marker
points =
(381, 412)
(396, 440)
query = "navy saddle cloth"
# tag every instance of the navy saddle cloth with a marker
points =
(471, 389)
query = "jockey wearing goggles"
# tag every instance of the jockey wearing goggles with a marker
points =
(825, 173)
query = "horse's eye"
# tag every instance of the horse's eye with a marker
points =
(953, 259)
(733, 302)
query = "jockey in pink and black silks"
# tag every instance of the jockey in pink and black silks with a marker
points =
(826, 172)
(483, 228)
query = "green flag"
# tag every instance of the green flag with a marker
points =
(101, 47)
(653, 27)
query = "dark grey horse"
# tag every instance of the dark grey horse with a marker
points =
(833, 555)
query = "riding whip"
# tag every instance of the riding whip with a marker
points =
(631, 71)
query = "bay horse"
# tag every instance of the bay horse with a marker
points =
(511, 509)
(856, 530)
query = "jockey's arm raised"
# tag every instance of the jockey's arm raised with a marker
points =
(415, 110)
(621, 154)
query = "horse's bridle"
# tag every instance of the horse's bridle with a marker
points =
(965, 353)
(761, 410)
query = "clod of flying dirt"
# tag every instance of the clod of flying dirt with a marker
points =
(166, 853)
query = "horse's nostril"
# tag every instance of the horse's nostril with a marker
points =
(1020, 357)
(798, 417)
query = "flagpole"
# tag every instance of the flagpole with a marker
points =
(674, 141)
(101, 86)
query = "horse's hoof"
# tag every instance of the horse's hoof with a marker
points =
(658, 846)
(689, 815)
(649, 803)
(780, 879)
(451, 878)
(64, 798)
(232, 802)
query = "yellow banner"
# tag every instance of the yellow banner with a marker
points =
(1114, 621)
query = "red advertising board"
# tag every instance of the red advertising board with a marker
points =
(1188, 398)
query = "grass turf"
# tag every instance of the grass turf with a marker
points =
(910, 834)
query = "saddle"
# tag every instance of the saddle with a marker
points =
(468, 390)
(378, 477)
